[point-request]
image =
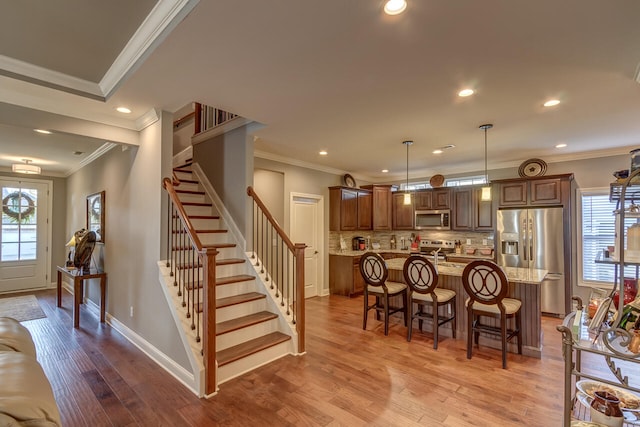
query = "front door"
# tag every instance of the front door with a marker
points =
(306, 227)
(23, 235)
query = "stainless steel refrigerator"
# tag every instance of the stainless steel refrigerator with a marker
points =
(534, 238)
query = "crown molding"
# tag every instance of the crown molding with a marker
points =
(164, 17)
(147, 119)
(30, 73)
(103, 149)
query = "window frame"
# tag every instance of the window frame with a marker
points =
(580, 193)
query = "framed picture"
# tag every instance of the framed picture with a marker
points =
(95, 215)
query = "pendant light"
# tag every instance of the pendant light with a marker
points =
(407, 194)
(486, 189)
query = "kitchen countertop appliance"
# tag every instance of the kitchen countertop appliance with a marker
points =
(358, 243)
(534, 238)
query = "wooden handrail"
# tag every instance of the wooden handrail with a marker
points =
(297, 250)
(168, 185)
(271, 219)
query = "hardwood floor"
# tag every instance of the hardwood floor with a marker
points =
(348, 377)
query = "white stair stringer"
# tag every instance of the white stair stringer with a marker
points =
(282, 323)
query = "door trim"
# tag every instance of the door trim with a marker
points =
(323, 288)
(50, 278)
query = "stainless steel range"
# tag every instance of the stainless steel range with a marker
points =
(437, 247)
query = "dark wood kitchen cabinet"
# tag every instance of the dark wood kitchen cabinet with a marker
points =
(538, 191)
(402, 215)
(350, 209)
(433, 199)
(470, 212)
(381, 210)
(344, 275)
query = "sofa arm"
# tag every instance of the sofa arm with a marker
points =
(15, 337)
(26, 395)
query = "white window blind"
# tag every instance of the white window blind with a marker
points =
(598, 232)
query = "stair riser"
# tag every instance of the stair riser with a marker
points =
(221, 271)
(239, 310)
(184, 175)
(224, 291)
(199, 210)
(192, 198)
(213, 238)
(230, 339)
(205, 223)
(248, 363)
(189, 186)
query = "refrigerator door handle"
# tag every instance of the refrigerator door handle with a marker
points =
(553, 276)
(530, 239)
(525, 245)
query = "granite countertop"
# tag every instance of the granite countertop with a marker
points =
(406, 252)
(514, 274)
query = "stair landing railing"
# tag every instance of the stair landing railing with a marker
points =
(282, 263)
(193, 268)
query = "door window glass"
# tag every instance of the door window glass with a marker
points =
(18, 236)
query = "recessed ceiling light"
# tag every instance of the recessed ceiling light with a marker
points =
(123, 110)
(385, 170)
(46, 132)
(561, 145)
(395, 7)
(323, 153)
(552, 103)
(466, 92)
(437, 151)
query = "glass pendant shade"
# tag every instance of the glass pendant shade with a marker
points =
(486, 190)
(486, 194)
(407, 198)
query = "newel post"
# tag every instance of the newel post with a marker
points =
(209, 320)
(299, 303)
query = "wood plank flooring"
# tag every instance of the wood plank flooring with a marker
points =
(349, 377)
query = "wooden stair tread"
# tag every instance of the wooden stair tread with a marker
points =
(200, 216)
(228, 280)
(239, 299)
(244, 321)
(212, 246)
(198, 192)
(189, 181)
(196, 204)
(182, 169)
(248, 348)
(234, 279)
(219, 262)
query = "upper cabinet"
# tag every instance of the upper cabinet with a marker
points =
(470, 212)
(539, 191)
(350, 209)
(433, 199)
(381, 206)
(402, 215)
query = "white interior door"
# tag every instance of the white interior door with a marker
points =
(306, 227)
(24, 236)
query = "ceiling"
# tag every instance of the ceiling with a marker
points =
(333, 75)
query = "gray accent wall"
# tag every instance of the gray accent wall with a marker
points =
(134, 234)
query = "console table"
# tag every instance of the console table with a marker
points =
(79, 277)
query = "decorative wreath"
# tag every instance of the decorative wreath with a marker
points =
(14, 209)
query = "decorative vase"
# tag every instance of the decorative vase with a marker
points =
(605, 409)
(630, 287)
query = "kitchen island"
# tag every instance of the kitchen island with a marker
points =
(524, 284)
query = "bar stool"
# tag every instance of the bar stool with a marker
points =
(487, 286)
(374, 271)
(422, 278)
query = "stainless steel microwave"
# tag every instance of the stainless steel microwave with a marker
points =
(433, 220)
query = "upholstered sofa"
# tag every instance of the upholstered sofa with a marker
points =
(26, 397)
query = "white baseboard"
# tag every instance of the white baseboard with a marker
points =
(161, 359)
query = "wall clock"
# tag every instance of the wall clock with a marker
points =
(348, 180)
(532, 167)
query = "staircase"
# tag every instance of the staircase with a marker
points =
(251, 328)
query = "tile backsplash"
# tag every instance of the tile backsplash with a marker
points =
(476, 239)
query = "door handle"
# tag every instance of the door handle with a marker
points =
(524, 239)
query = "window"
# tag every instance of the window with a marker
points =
(596, 231)
(454, 182)
(18, 234)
